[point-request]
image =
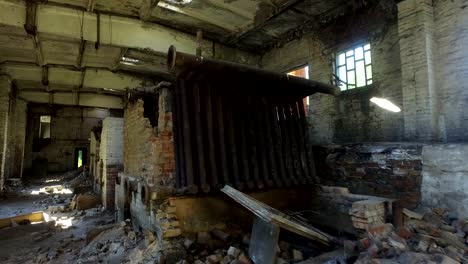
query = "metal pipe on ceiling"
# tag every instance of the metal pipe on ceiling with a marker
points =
(178, 61)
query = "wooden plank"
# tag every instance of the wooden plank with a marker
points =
(271, 215)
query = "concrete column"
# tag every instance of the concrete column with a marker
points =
(5, 87)
(417, 54)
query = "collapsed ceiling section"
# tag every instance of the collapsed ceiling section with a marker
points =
(88, 52)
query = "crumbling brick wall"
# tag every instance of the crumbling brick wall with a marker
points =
(388, 170)
(149, 151)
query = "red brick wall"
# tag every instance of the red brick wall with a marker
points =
(111, 174)
(149, 151)
(389, 170)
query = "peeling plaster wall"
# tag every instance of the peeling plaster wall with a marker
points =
(70, 128)
(17, 137)
(445, 177)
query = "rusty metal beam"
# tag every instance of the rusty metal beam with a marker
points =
(178, 61)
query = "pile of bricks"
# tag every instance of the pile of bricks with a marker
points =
(167, 220)
(367, 213)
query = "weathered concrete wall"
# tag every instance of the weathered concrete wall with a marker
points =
(16, 137)
(5, 87)
(350, 117)
(12, 133)
(70, 128)
(445, 177)
(94, 158)
(388, 170)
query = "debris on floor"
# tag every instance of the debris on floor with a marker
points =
(432, 237)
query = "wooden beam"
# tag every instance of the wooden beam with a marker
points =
(273, 216)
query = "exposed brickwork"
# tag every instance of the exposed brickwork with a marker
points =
(111, 158)
(112, 172)
(387, 170)
(149, 152)
(417, 53)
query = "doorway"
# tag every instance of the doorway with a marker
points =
(80, 157)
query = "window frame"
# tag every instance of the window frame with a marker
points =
(352, 48)
(41, 126)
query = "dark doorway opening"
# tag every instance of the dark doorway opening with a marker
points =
(80, 157)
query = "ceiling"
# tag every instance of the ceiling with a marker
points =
(87, 52)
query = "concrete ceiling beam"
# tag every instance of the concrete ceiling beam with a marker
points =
(114, 30)
(232, 8)
(261, 21)
(146, 9)
(87, 77)
(64, 98)
(90, 6)
(198, 15)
